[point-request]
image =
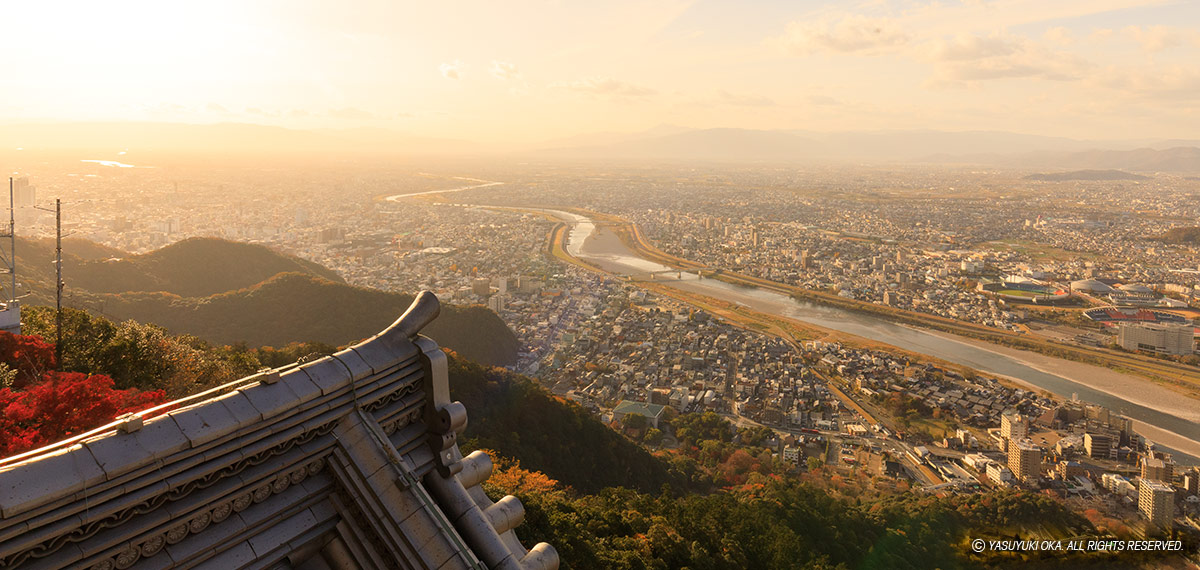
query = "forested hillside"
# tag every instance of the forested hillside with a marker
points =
(228, 292)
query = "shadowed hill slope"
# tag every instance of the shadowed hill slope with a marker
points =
(193, 267)
(510, 414)
(228, 292)
(297, 307)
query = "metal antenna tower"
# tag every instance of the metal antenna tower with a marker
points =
(10, 314)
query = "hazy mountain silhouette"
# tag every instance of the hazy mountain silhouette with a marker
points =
(800, 146)
(1177, 159)
(664, 142)
(607, 138)
(240, 138)
(1086, 175)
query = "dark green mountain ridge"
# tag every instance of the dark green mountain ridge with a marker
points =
(194, 267)
(228, 292)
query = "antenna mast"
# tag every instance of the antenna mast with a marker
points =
(12, 243)
(58, 314)
(10, 313)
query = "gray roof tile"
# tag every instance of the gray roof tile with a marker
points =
(328, 374)
(47, 478)
(271, 400)
(202, 423)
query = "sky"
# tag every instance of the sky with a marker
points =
(526, 72)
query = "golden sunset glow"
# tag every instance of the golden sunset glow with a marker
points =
(523, 73)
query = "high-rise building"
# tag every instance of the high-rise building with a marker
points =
(1098, 445)
(1024, 460)
(1156, 501)
(496, 302)
(1163, 338)
(481, 286)
(1191, 481)
(527, 284)
(1158, 468)
(331, 235)
(1013, 427)
(23, 193)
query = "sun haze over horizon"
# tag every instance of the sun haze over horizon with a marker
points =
(525, 72)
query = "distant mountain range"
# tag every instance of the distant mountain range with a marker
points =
(789, 145)
(1175, 159)
(662, 143)
(227, 292)
(231, 138)
(967, 147)
(1087, 175)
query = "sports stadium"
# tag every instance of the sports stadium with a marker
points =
(1112, 316)
(1025, 292)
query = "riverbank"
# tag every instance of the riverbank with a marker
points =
(1096, 377)
(1099, 378)
(1164, 414)
(1181, 379)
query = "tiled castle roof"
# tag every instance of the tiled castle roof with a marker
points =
(349, 461)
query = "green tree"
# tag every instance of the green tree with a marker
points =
(653, 436)
(634, 421)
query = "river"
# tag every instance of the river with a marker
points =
(1163, 416)
(482, 184)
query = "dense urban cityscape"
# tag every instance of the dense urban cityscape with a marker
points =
(619, 285)
(1061, 262)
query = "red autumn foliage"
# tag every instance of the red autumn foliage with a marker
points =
(29, 355)
(737, 466)
(45, 406)
(61, 405)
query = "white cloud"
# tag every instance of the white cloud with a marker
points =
(968, 47)
(1154, 38)
(1059, 35)
(969, 57)
(504, 70)
(1165, 83)
(848, 33)
(452, 70)
(607, 86)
